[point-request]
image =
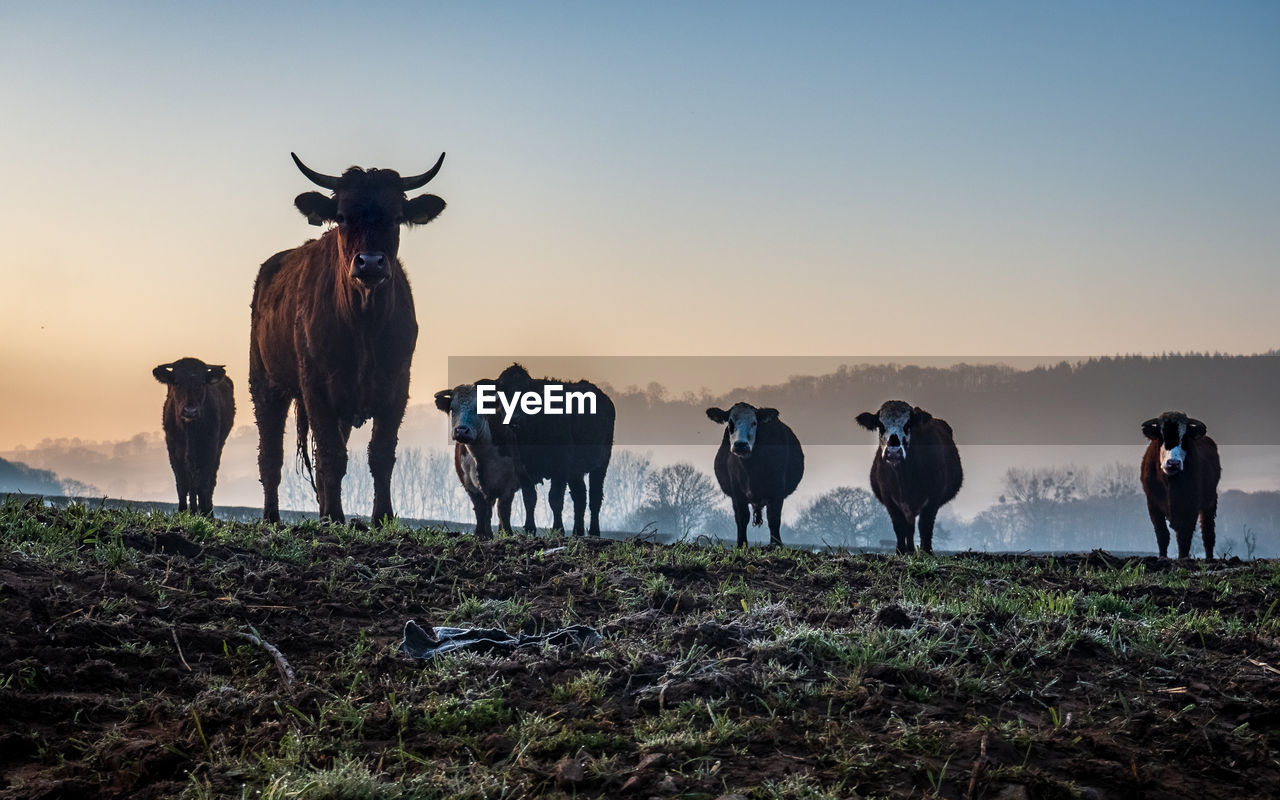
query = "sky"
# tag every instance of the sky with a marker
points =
(847, 179)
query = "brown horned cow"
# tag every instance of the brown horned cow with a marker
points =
(333, 329)
(199, 409)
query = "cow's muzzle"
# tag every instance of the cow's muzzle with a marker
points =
(742, 450)
(1172, 466)
(895, 455)
(464, 435)
(371, 269)
(189, 413)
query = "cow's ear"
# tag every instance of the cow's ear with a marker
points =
(1196, 428)
(422, 209)
(317, 208)
(215, 373)
(444, 400)
(766, 414)
(718, 415)
(869, 421)
(920, 416)
(163, 373)
(1151, 429)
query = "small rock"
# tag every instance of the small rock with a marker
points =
(893, 617)
(1090, 793)
(1013, 792)
(570, 770)
(649, 761)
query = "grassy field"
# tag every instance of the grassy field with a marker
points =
(137, 661)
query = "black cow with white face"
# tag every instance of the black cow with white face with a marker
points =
(759, 464)
(916, 469)
(1180, 473)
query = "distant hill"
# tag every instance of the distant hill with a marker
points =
(18, 477)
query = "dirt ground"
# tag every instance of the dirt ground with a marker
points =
(133, 664)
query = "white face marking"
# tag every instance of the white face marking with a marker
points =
(742, 430)
(1173, 459)
(895, 437)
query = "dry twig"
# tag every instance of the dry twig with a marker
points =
(282, 664)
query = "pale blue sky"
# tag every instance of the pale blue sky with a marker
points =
(703, 178)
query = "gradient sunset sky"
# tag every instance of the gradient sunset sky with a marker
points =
(853, 178)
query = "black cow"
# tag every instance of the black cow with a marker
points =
(759, 464)
(562, 448)
(199, 409)
(916, 469)
(333, 329)
(484, 456)
(1180, 473)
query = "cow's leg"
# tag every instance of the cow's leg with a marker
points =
(270, 410)
(382, 460)
(205, 497)
(928, 515)
(903, 528)
(555, 498)
(181, 480)
(529, 494)
(1184, 529)
(595, 495)
(578, 491)
(504, 511)
(483, 512)
(773, 512)
(1208, 527)
(741, 516)
(331, 460)
(1161, 528)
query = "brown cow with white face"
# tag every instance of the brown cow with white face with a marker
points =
(333, 329)
(485, 456)
(199, 409)
(916, 469)
(1180, 473)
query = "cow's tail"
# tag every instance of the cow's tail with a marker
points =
(304, 452)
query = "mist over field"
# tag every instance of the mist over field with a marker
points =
(1073, 427)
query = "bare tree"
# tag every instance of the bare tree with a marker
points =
(843, 517)
(678, 500)
(625, 487)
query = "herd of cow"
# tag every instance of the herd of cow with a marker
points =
(333, 331)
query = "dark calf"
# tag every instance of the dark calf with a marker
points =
(759, 464)
(199, 409)
(1180, 472)
(916, 469)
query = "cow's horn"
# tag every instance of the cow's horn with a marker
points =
(418, 181)
(326, 181)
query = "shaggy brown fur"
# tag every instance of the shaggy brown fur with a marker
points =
(333, 329)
